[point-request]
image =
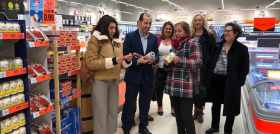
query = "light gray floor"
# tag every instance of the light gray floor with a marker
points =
(166, 124)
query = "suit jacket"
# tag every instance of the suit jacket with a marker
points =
(135, 72)
(237, 70)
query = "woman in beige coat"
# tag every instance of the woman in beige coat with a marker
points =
(105, 54)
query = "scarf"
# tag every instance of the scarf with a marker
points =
(177, 42)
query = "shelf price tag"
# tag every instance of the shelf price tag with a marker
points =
(2, 74)
(46, 110)
(41, 43)
(33, 80)
(48, 12)
(76, 47)
(31, 44)
(75, 72)
(68, 48)
(44, 77)
(15, 72)
(1, 37)
(5, 112)
(36, 115)
(18, 108)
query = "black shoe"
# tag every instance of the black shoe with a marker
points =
(160, 113)
(144, 131)
(133, 123)
(173, 114)
(150, 118)
(227, 133)
(126, 132)
(212, 130)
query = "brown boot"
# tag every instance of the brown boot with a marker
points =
(200, 115)
(195, 113)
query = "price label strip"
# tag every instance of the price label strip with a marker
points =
(75, 96)
(49, 14)
(74, 72)
(14, 109)
(11, 36)
(15, 72)
(40, 78)
(43, 111)
(76, 47)
(39, 44)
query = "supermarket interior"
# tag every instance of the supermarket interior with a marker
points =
(43, 44)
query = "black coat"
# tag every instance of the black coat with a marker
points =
(207, 42)
(237, 70)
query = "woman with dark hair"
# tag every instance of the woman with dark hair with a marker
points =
(200, 32)
(105, 55)
(226, 74)
(183, 72)
(165, 42)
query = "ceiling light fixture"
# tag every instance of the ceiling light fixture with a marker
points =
(131, 5)
(272, 3)
(172, 3)
(248, 9)
(223, 4)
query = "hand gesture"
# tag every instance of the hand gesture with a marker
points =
(120, 59)
(165, 62)
(175, 59)
(142, 60)
(129, 57)
(151, 60)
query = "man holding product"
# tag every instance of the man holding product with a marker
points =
(139, 76)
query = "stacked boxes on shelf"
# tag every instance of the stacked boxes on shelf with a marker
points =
(65, 90)
(66, 63)
(64, 38)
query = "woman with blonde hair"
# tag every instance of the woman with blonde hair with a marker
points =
(200, 32)
(165, 43)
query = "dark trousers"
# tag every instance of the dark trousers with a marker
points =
(199, 103)
(218, 87)
(183, 108)
(161, 87)
(145, 97)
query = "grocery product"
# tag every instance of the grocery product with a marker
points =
(1, 104)
(22, 130)
(5, 88)
(21, 117)
(4, 63)
(33, 105)
(13, 87)
(9, 27)
(1, 92)
(2, 27)
(10, 59)
(14, 100)
(21, 98)
(7, 102)
(17, 63)
(42, 100)
(2, 125)
(8, 125)
(20, 85)
(29, 37)
(15, 121)
(16, 27)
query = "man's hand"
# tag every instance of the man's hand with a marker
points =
(142, 60)
(175, 59)
(165, 62)
(120, 59)
(151, 60)
(129, 58)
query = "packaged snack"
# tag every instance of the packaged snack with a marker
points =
(42, 100)
(29, 37)
(33, 105)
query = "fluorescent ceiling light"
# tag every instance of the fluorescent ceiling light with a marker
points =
(76, 3)
(199, 10)
(131, 5)
(122, 2)
(127, 12)
(172, 3)
(62, 1)
(223, 4)
(272, 3)
(272, 8)
(118, 11)
(248, 9)
(110, 9)
(182, 11)
(89, 5)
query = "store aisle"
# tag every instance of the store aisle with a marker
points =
(166, 124)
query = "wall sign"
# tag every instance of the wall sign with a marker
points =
(73, 10)
(12, 5)
(261, 14)
(264, 24)
(43, 11)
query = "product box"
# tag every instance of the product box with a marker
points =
(68, 59)
(74, 43)
(74, 63)
(75, 114)
(61, 59)
(68, 39)
(60, 66)
(64, 89)
(74, 58)
(62, 33)
(65, 121)
(68, 65)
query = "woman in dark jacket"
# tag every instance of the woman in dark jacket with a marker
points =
(200, 32)
(226, 73)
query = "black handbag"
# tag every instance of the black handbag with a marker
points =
(199, 90)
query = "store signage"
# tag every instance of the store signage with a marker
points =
(12, 5)
(43, 11)
(252, 22)
(122, 87)
(264, 24)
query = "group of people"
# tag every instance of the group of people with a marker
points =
(221, 67)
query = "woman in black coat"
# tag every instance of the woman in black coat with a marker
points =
(200, 32)
(226, 74)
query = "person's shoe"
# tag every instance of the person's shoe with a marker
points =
(160, 113)
(173, 114)
(227, 133)
(126, 132)
(133, 123)
(195, 113)
(212, 130)
(150, 118)
(144, 131)
(200, 115)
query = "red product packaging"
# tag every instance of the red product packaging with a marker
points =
(39, 68)
(62, 39)
(68, 39)
(45, 129)
(74, 63)
(68, 43)
(74, 33)
(67, 33)
(62, 33)
(33, 105)
(68, 69)
(62, 71)
(68, 84)
(31, 73)
(74, 68)
(42, 100)
(75, 90)
(74, 57)
(74, 43)
(68, 59)
(63, 85)
(74, 38)
(60, 66)
(61, 59)
(62, 44)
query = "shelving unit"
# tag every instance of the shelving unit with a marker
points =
(57, 77)
(14, 45)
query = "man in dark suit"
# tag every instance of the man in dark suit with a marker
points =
(139, 76)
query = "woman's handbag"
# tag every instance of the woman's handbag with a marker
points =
(199, 90)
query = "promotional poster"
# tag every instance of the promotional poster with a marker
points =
(73, 10)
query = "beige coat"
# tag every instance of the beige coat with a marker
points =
(103, 62)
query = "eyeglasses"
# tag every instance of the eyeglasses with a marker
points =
(227, 31)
